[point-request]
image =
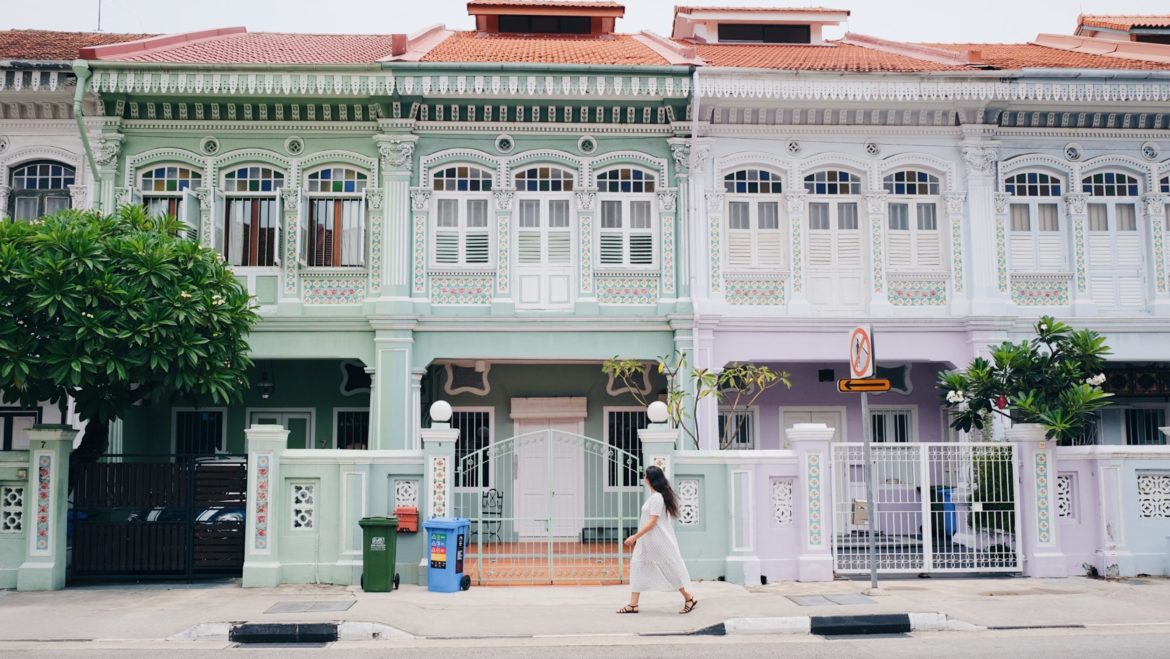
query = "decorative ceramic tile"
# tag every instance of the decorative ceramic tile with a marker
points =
(44, 501)
(1040, 290)
(627, 288)
(755, 291)
(503, 254)
(782, 501)
(334, 287)
(1001, 253)
(420, 254)
(263, 474)
(688, 502)
(716, 252)
(816, 529)
(439, 486)
(1079, 241)
(291, 198)
(461, 289)
(304, 506)
(917, 292)
(1043, 499)
(1156, 230)
(377, 230)
(668, 255)
(586, 243)
(956, 202)
(1153, 496)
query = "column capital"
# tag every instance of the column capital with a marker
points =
(397, 152)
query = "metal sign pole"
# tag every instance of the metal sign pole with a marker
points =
(866, 422)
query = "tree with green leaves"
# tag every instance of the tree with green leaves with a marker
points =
(1053, 379)
(114, 310)
(737, 387)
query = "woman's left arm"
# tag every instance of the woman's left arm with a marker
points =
(630, 541)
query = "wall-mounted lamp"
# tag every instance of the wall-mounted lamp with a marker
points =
(265, 385)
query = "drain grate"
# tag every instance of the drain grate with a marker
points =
(310, 607)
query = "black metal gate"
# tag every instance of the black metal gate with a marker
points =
(151, 516)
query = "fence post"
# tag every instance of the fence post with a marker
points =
(811, 442)
(265, 444)
(439, 454)
(47, 498)
(658, 439)
(1113, 557)
(1037, 501)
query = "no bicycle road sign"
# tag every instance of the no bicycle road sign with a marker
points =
(861, 354)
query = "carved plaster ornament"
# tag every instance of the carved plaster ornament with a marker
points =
(715, 201)
(955, 202)
(1078, 202)
(396, 154)
(667, 199)
(420, 199)
(374, 198)
(504, 199)
(980, 159)
(682, 158)
(290, 197)
(585, 199)
(1002, 199)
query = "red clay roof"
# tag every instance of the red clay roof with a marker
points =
(269, 48)
(831, 57)
(617, 49)
(686, 9)
(1033, 56)
(45, 45)
(1124, 21)
(574, 4)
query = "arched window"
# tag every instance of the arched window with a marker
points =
(40, 188)
(1037, 236)
(628, 233)
(913, 240)
(544, 236)
(168, 190)
(249, 235)
(836, 261)
(460, 231)
(333, 228)
(1113, 246)
(755, 239)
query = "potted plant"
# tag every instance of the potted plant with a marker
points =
(1052, 380)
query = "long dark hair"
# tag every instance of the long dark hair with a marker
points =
(662, 486)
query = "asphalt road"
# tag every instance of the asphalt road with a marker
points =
(1056, 643)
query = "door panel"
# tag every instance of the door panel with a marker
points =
(836, 256)
(534, 484)
(545, 260)
(298, 424)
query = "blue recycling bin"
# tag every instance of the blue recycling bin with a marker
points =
(446, 546)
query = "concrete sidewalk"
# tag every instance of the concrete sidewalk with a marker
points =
(161, 611)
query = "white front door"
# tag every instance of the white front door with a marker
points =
(298, 424)
(1115, 257)
(545, 257)
(836, 257)
(550, 478)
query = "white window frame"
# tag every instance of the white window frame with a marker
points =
(463, 201)
(914, 231)
(545, 199)
(605, 411)
(1122, 409)
(912, 411)
(337, 411)
(753, 417)
(310, 441)
(306, 219)
(754, 200)
(223, 412)
(187, 208)
(491, 475)
(627, 199)
(1033, 203)
(221, 220)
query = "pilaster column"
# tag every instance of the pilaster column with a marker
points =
(420, 206)
(46, 500)
(956, 203)
(109, 147)
(265, 445)
(1076, 205)
(397, 162)
(1113, 558)
(797, 210)
(1155, 207)
(676, 275)
(875, 209)
(811, 442)
(78, 198)
(392, 426)
(206, 197)
(669, 211)
(439, 456)
(5, 190)
(586, 221)
(416, 378)
(1037, 501)
(291, 211)
(713, 223)
(503, 302)
(375, 196)
(986, 234)
(658, 446)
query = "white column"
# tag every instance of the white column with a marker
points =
(1155, 206)
(46, 502)
(986, 235)
(1036, 499)
(798, 304)
(439, 454)
(397, 162)
(265, 446)
(814, 505)
(1076, 205)
(875, 209)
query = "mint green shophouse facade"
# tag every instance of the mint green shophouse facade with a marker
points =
(411, 232)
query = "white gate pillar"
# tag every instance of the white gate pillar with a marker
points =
(1037, 501)
(265, 445)
(439, 456)
(46, 497)
(811, 441)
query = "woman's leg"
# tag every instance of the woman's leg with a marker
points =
(686, 596)
(634, 597)
(632, 607)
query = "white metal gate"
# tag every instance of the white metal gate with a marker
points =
(548, 507)
(940, 507)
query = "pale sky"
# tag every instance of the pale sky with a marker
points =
(908, 20)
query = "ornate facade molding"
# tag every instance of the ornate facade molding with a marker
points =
(397, 154)
(374, 198)
(1077, 203)
(585, 199)
(980, 158)
(420, 199)
(1002, 199)
(667, 200)
(955, 201)
(78, 196)
(504, 199)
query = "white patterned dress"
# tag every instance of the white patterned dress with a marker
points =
(657, 564)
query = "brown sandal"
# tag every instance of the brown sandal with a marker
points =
(689, 605)
(629, 608)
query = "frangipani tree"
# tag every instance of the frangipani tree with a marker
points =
(1053, 379)
(113, 310)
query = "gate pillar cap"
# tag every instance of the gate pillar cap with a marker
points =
(810, 432)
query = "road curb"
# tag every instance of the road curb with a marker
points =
(900, 623)
(290, 632)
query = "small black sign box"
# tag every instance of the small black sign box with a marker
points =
(459, 554)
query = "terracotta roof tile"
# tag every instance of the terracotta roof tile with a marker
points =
(573, 4)
(45, 45)
(618, 49)
(1124, 21)
(1033, 56)
(270, 48)
(687, 9)
(831, 57)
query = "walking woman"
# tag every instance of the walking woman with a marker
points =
(657, 564)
